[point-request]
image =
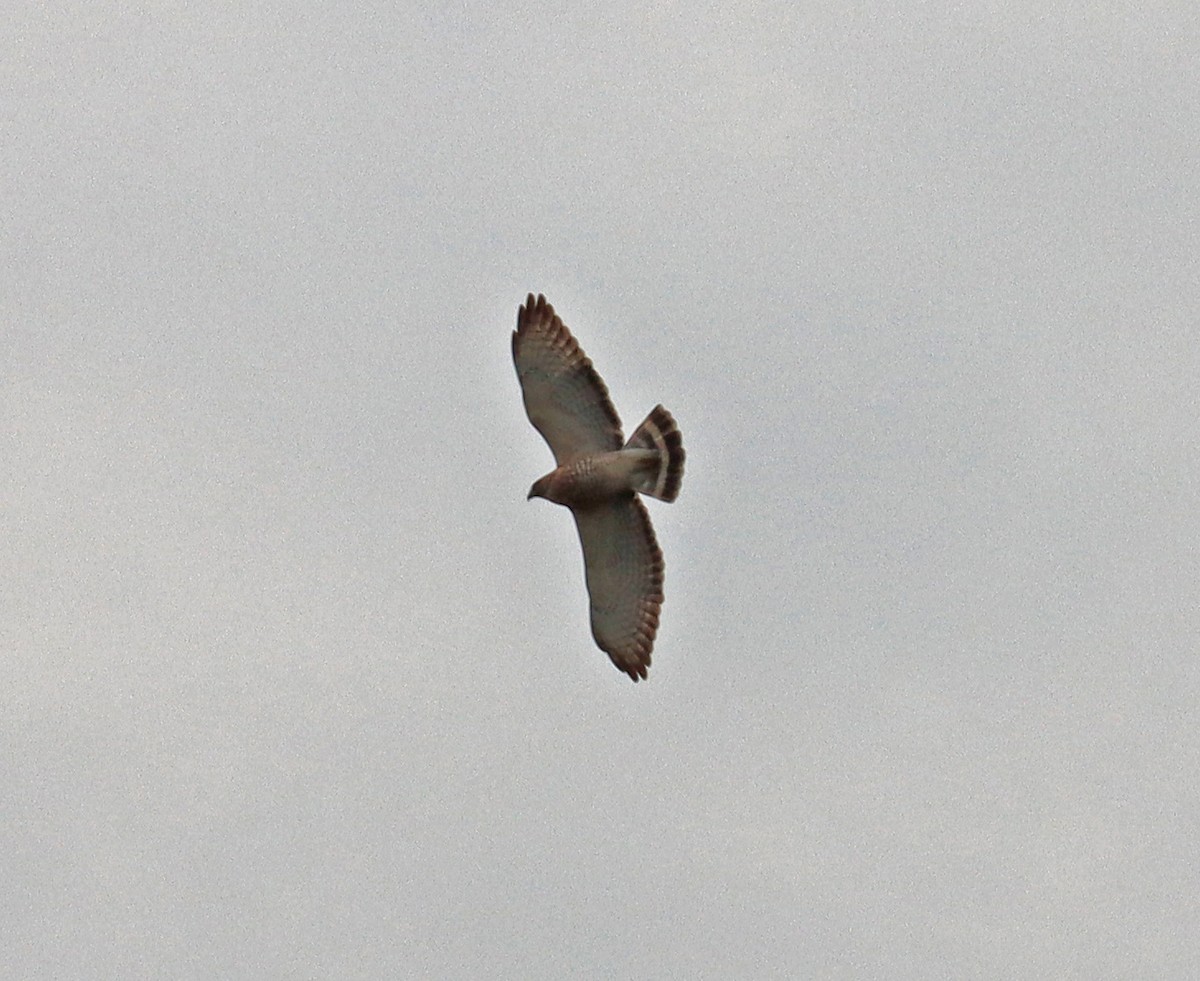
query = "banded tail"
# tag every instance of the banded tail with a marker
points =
(659, 432)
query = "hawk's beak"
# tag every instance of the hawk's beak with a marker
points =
(529, 496)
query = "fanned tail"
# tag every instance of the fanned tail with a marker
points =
(659, 432)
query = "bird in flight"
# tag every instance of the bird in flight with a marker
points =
(599, 476)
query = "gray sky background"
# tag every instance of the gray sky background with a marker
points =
(295, 684)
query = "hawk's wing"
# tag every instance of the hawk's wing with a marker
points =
(564, 397)
(624, 568)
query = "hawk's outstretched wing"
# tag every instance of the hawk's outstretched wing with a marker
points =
(624, 568)
(564, 397)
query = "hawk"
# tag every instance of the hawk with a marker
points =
(599, 476)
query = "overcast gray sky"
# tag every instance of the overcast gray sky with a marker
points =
(296, 684)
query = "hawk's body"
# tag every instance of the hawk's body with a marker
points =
(598, 477)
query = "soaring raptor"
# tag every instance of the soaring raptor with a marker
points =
(599, 477)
